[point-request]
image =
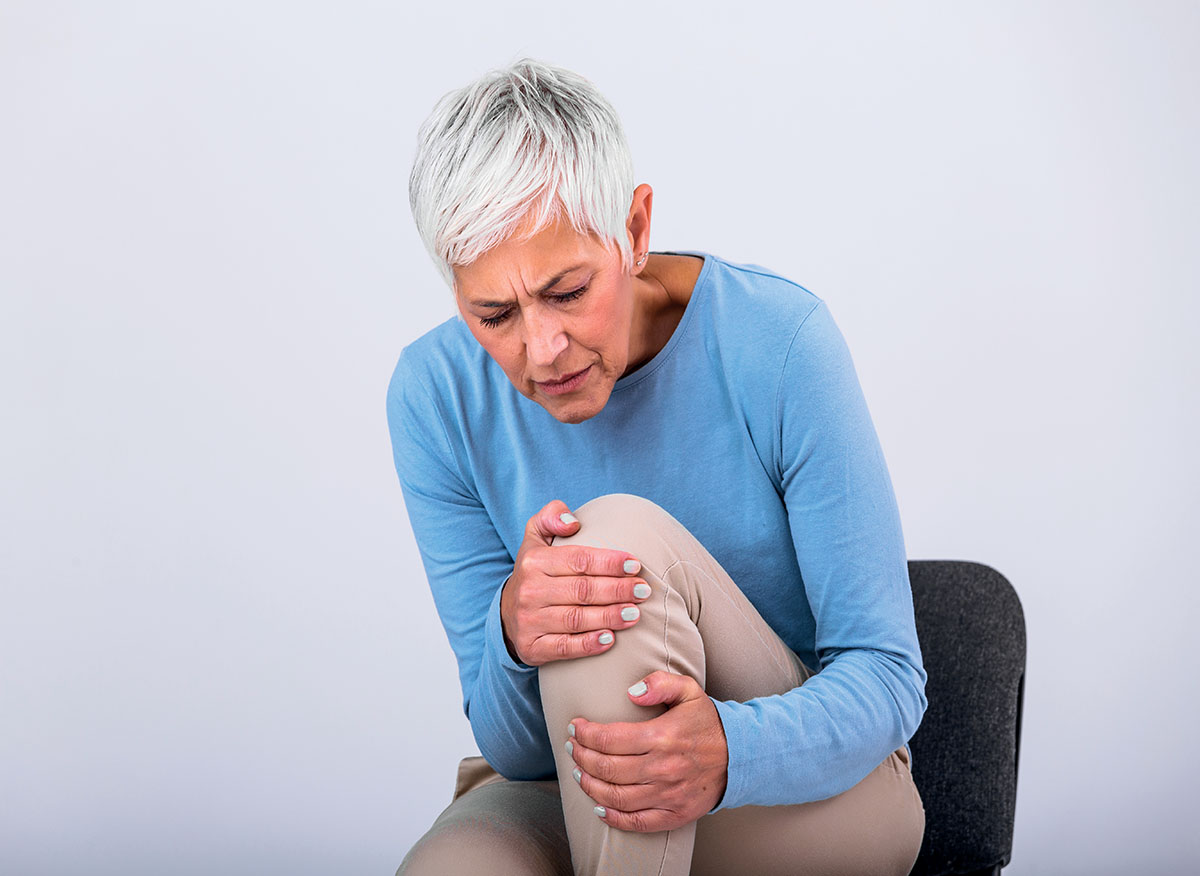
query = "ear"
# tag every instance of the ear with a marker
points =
(638, 223)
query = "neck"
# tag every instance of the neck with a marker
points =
(661, 293)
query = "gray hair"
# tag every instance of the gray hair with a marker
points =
(529, 142)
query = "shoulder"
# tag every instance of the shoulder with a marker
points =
(437, 364)
(759, 296)
(755, 315)
(430, 356)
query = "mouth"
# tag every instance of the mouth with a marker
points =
(568, 384)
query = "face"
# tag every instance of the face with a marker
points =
(555, 312)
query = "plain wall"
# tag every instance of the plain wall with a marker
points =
(217, 649)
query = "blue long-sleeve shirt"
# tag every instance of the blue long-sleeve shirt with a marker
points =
(751, 429)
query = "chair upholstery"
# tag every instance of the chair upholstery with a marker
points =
(972, 633)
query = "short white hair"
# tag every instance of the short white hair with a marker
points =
(529, 143)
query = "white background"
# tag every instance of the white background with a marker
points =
(217, 650)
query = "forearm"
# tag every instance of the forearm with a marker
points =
(821, 739)
(505, 710)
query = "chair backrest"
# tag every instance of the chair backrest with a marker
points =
(972, 633)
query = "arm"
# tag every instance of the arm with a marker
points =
(822, 738)
(467, 564)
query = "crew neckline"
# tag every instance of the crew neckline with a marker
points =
(662, 355)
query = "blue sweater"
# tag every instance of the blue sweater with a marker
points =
(750, 428)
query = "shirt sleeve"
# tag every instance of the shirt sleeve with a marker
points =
(467, 565)
(868, 696)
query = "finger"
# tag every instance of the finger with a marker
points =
(641, 821)
(554, 519)
(587, 618)
(665, 688)
(622, 798)
(568, 646)
(615, 738)
(577, 559)
(617, 769)
(597, 590)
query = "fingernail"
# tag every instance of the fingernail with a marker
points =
(630, 613)
(638, 689)
(577, 776)
(632, 567)
(641, 591)
(567, 517)
(571, 729)
(600, 811)
(570, 746)
(606, 638)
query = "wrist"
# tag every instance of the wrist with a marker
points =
(504, 601)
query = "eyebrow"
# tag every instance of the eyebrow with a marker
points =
(545, 287)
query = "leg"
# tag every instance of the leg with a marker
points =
(874, 828)
(698, 623)
(495, 827)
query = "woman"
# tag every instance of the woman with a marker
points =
(604, 442)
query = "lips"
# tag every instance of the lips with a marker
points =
(569, 383)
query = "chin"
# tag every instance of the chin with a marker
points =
(572, 410)
(572, 413)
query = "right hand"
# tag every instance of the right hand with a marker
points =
(563, 599)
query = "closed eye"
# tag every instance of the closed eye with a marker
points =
(493, 321)
(569, 296)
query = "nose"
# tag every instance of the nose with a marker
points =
(544, 339)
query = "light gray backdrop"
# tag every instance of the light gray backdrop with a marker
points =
(218, 653)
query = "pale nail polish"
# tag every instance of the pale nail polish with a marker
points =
(600, 811)
(606, 638)
(630, 614)
(577, 776)
(632, 567)
(641, 591)
(638, 689)
(568, 518)
(570, 746)
(571, 729)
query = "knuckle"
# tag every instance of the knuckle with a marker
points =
(604, 768)
(573, 619)
(580, 561)
(585, 590)
(562, 647)
(639, 822)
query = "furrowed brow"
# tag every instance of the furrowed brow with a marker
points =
(542, 290)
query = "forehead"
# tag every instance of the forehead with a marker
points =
(517, 266)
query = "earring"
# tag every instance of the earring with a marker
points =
(642, 260)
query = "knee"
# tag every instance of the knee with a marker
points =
(617, 507)
(473, 848)
(625, 522)
(504, 828)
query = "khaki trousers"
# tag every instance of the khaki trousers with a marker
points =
(698, 623)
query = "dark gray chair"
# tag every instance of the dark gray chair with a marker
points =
(965, 752)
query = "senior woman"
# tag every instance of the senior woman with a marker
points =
(656, 521)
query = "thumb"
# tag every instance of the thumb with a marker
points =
(665, 688)
(554, 519)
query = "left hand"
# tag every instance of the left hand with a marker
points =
(657, 774)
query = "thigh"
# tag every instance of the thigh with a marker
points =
(873, 829)
(498, 827)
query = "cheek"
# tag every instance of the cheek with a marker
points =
(507, 352)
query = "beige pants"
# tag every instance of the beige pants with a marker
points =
(698, 623)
